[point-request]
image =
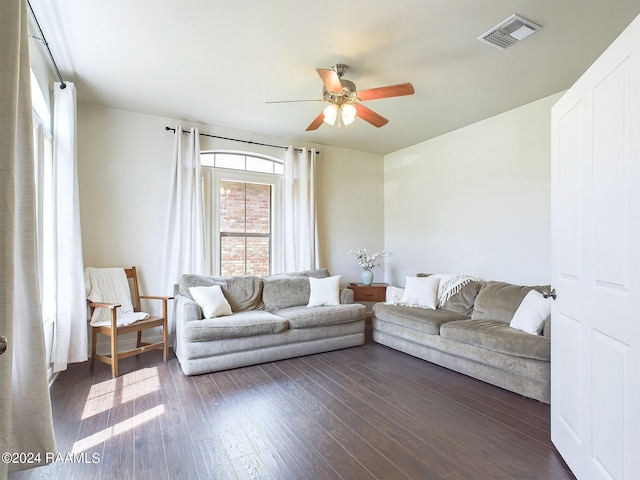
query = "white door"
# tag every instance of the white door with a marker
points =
(595, 347)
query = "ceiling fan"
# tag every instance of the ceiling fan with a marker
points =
(345, 100)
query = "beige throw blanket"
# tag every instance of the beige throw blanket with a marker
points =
(110, 285)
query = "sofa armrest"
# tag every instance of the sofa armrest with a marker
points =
(346, 295)
(186, 310)
(546, 330)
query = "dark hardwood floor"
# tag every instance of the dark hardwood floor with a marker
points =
(361, 413)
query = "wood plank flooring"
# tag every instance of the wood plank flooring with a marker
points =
(361, 413)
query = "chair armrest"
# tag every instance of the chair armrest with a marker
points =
(104, 305)
(112, 307)
(155, 297)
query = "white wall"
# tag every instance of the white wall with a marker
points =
(475, 200)
(124, 170)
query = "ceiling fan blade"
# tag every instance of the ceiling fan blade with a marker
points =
(384, 92)
(296, 101)
(330, 79)
(316, 122)
(370, 116)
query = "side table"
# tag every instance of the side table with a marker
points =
(376, 292)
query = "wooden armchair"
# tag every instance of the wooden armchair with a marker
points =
(113, 330)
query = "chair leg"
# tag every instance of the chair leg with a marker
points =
(94, 338)
(114, 354)
(165, 339)
(139, 342)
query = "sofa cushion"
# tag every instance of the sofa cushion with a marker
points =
(308, 317)
(499, 300)
(463, 301)
(499, 337)
(242, 293)
(425, 320)
(288, 289)
(241, 324)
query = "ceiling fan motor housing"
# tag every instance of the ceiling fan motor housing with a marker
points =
(347, 95)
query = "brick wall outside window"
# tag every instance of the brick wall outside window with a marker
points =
(245, 208)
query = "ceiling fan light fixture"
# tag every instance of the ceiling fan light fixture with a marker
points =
(348, 113)
(330, 114)
(339, 115)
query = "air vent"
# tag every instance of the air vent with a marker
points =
(510, 31)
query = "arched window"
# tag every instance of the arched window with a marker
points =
(242, 212)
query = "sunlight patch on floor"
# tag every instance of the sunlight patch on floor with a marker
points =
(117, 429)
(105, 395)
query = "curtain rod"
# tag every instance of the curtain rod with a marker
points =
(43, 40)
(237, 140)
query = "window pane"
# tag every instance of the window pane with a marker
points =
(278, 168)
(232, 206)
(255, 164)
(48, 219)
(257, 256)
(229, 160)
(232, 255)
(258, 208)
(245, 208)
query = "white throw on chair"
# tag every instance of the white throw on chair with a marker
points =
(115, 311)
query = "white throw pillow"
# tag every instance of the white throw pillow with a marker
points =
(531, 314)
(394, 295)
(211, 300)
(421, 292)
(324, 291)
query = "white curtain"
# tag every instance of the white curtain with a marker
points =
(300, 222)
(25, 409)
(184, 241)
(70, 341)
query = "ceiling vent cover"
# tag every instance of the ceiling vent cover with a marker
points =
(510, 31)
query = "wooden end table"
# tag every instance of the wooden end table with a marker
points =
(376, 292)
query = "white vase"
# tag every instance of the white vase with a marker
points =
(367, 277)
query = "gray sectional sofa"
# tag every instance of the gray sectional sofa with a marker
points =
(470, 334)
(270, 321)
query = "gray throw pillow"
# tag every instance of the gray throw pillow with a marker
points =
(189, 280)
(499, 300)
(242, 293)
(288, 289)
(463, 301)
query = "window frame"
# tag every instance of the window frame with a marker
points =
(45, 213)
(211, 180)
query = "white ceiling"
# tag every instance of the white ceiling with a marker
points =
(217, 62)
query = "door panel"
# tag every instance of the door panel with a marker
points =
(610, 186)
(595, 195)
